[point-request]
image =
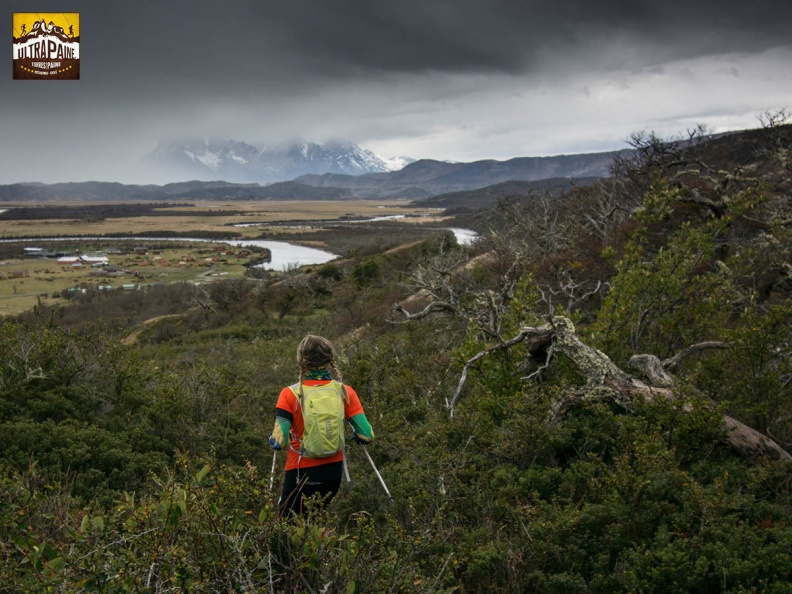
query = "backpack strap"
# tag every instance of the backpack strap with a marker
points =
(292, 435)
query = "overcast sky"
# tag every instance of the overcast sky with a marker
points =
(444, 79)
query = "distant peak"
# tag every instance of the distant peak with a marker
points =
(234, 160)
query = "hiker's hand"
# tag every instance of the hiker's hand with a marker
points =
(362, 432)
(274, 443)
(360, 439)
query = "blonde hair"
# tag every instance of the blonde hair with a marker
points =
(316, 352)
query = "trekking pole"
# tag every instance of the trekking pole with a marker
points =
(346, 468)
(382, 482)
(272, 472)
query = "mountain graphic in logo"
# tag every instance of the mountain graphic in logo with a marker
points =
(46, 46)
(42, 28)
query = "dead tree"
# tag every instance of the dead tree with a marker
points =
(606, 381)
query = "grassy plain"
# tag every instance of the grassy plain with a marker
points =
(212, 216)
(24, 282)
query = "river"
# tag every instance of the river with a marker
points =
(284, 255)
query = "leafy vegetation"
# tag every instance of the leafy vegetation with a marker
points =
(134, 456)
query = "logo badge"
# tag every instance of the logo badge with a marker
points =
(46, 45)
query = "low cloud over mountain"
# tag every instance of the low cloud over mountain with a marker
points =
(237, 161)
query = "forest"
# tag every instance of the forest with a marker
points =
(594, 397)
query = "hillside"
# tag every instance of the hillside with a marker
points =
(594, 397)
(489, 195)
(193, 190)
(437, 177)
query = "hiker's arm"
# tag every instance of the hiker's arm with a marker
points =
(280, 432)
(363, 431)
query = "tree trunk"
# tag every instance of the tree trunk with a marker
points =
(606, 380)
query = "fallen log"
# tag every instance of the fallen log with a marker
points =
(605, 380)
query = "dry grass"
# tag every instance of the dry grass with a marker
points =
(200, 218)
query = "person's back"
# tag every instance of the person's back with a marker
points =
(316, 474)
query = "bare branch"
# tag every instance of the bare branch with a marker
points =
(542, 367)
(524, 333)
(696, 348)
(434, 307)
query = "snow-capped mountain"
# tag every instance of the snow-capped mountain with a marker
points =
(237, 161)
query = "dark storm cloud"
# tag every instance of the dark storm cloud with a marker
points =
(465, 35)
(200, 40)
(155, 50)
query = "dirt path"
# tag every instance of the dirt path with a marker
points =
(132, 337)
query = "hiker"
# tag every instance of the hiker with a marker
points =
(313, 470)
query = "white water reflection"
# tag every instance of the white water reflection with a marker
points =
(464, 236)
(382, 218)
(287, 255)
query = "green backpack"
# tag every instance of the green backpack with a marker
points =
(322, 409)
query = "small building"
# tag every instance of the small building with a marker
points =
(95, 260)
(36, 252)
(79, 261)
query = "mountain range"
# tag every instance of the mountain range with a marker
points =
(416, 181)
(234, 160)
(237, 161)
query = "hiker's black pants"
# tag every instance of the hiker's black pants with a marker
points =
(323, 480)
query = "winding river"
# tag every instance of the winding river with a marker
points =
(284, 255)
